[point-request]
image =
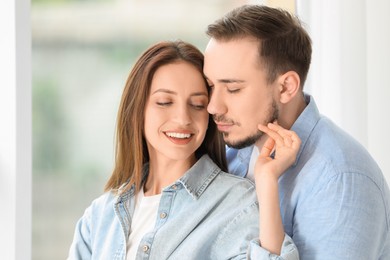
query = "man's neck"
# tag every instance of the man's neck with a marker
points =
(289, 113)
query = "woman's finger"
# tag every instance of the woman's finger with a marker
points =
(280, 130)
(267, 148)
(296, 141)
(271, 133)
(290, 137)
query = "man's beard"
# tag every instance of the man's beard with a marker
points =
(273, 115)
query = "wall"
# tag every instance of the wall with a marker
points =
(15, 130)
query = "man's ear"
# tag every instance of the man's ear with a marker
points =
(289, 86)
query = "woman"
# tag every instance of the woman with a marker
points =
(169, 196)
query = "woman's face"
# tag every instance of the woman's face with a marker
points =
(176, 116)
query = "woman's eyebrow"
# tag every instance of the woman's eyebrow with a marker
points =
(200, 94)
(168, 91)
(164, 90)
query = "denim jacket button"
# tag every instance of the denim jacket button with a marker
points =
(145, 248)
(174, 186)
(163, 215)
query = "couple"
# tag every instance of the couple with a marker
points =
(169, 196)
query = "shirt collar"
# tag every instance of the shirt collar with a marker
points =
(244, 154)
(306, 122)
(121, 195)
(124, 195)
(195, 181)
(198, 177)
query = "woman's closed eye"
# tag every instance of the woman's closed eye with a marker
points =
(198, 106)
(164, 104)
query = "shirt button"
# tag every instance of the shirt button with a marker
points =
(163, 215)
(174, 186)
(145, 248)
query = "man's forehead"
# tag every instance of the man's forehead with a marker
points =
(231, 54)
(234, 41)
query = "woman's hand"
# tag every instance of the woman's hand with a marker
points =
(285, 143)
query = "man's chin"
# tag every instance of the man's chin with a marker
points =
(243, 143)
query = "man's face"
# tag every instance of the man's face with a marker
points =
(241, 98)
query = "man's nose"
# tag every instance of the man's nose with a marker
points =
(216, 104)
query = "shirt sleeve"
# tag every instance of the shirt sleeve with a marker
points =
(343, 218)
(240, 240)
(288, 251)
(81, 244)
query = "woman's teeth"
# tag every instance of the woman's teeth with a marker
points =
(178, 135)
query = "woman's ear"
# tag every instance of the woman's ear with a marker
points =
(289, 86)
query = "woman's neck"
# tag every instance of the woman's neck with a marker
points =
(165, 172)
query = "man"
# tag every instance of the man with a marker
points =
(334, 200)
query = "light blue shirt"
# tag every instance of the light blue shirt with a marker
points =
(335, 201)
(206, 214)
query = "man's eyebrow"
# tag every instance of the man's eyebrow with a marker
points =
(227, 81)
(231, 81)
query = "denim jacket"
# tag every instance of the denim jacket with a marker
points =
(206, 214)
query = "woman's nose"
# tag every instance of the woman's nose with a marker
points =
(183, 115)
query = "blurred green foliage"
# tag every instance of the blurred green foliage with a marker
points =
(49, 127)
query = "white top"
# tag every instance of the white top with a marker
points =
(143, 221)
(251, 170)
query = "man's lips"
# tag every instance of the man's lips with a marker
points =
(224, 127)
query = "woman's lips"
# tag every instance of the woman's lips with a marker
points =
(179, 137)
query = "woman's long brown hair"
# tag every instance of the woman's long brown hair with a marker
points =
(131, 152)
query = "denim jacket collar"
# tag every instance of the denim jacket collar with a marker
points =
(198, 177)
(194, 181)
